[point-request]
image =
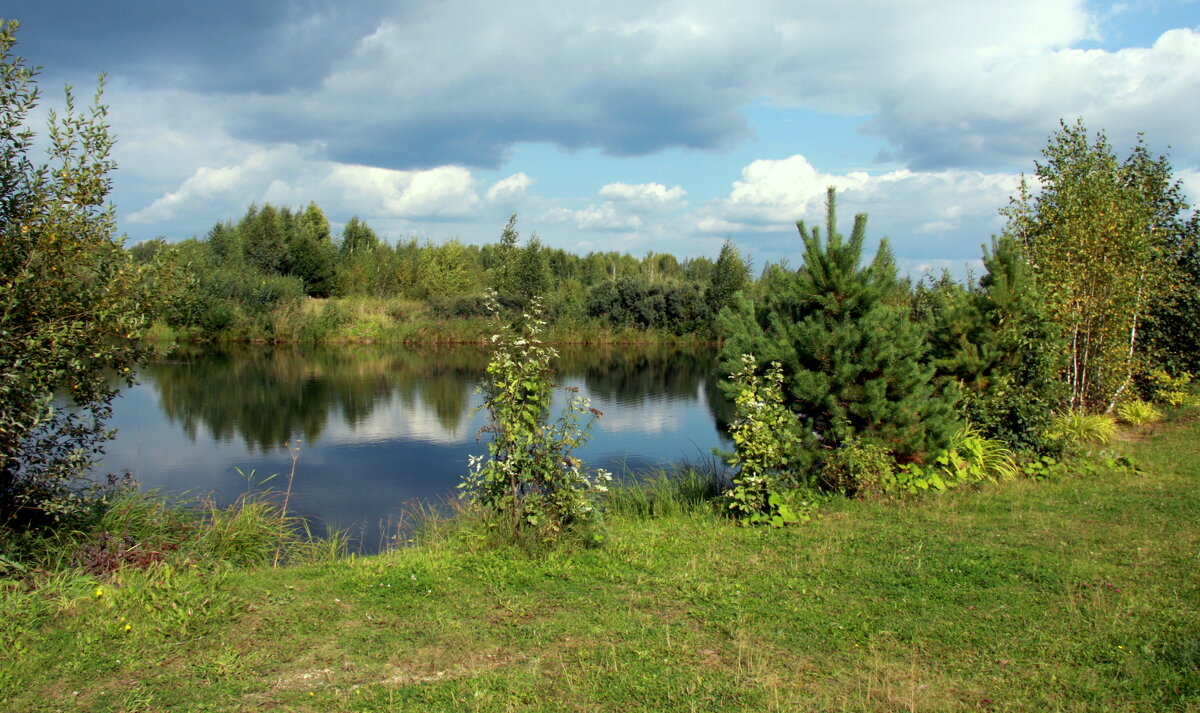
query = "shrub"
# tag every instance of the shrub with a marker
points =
(766, 439)
(858, 468)
(529, 479)
(1174, 390)
(971, 458)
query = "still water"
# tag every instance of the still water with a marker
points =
(381, 425)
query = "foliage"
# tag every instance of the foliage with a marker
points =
(730, 275)
(1173, 329)
(854, 363)
(971, 458)
(858, 469)
(634, 301)
(1098, 236)
(1138, 412)
(1078, 427)
(530, 480)
(996, 342)
(1175, 390)
(68, 318)
(767, 442)
(518, 272)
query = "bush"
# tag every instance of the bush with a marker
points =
(530, 481)
(859, 469)
(68, 299)
(1138, 413)
(767, 442)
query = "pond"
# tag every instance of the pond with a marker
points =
(378, 426)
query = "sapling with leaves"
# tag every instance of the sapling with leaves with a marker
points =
(530, 480)
(769, 485)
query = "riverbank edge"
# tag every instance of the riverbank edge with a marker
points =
(375, 321)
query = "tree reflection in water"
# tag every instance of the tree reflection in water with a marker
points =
(384, 424)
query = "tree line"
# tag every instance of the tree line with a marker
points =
(230, 283)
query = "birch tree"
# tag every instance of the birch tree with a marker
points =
(1095, 236)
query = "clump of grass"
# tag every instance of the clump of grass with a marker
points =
(1139, 413)
(684, 488)
(990, 458)
(1081, 428)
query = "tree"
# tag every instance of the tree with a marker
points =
(68, 318)
(853, 362)
(358, 236)
(504, 275)
(730, 275)
(264, 238)
(311, 255)
(997, 343)
(1173, 331)
(532, 270)
(1097, 237)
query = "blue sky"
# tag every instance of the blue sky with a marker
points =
(628, 125)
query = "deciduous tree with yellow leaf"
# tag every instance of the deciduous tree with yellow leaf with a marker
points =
(1097, 234)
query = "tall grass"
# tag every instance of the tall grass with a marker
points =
(1077, 427)
(684, 488)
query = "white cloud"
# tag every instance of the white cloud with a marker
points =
(291, 175)
(942, 214)
(643, 196)
(602, 217)
(442, 192)
(509, 189)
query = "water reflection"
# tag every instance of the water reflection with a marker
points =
(267, 395)
(384, 424)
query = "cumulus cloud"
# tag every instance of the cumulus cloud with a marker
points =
(603, 217)
(385, 109)
(509, 189)
(289, 175)
(624, 207)
(928, 214)
(643, 196)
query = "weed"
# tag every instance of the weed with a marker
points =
(1138, 413)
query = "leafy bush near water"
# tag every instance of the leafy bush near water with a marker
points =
(530, 481)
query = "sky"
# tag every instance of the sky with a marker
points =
(618, 125)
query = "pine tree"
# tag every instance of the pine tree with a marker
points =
(854, 361)
(998, 344)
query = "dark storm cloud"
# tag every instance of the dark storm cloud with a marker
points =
(266, 46)
(425, 83)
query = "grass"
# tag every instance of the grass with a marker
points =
(1072, 594)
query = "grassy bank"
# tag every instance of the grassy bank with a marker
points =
(1074, 594)
(400, 321)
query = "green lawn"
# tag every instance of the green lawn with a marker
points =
(1077, 594)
